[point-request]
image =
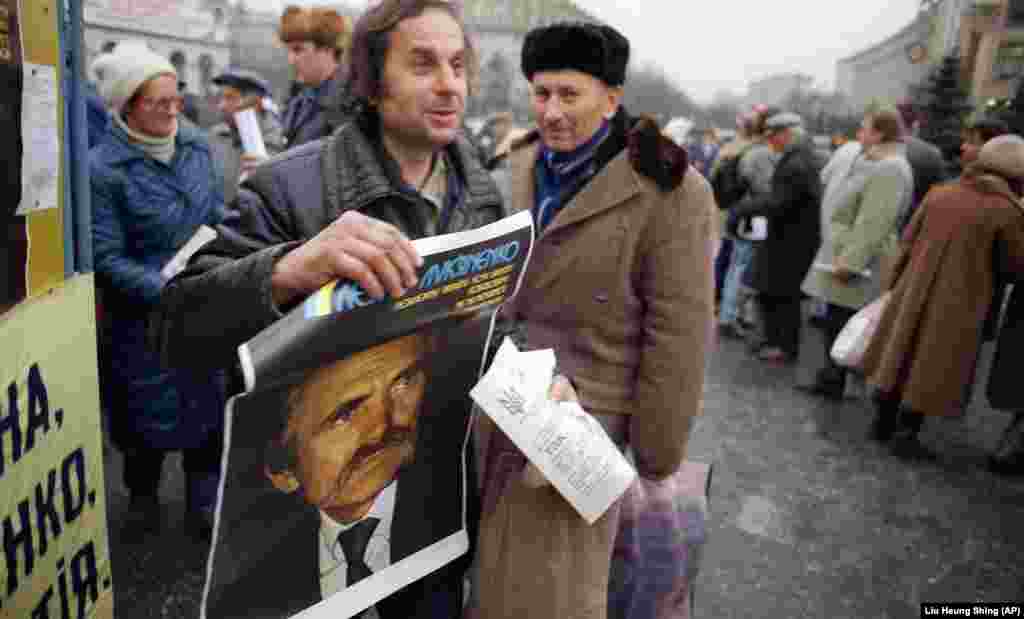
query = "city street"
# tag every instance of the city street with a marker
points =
(808, 517)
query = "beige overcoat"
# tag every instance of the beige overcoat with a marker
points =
(862, 228)
(927, 342)
(620, 285)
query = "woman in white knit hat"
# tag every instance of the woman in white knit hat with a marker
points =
(154, 183)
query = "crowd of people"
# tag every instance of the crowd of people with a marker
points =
(881, 215)
(370, 152)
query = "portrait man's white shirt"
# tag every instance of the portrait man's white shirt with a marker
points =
(334, 563)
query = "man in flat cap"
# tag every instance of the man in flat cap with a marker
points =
(792, 209)
(620, 285)
(239, 90)
(317, 39)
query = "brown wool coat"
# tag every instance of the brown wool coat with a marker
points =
(927, 342)
(620, 285)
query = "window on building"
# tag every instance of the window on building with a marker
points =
(1009, 61)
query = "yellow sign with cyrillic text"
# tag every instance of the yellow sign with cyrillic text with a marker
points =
(53, 525)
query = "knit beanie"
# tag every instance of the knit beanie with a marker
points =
(123, 71)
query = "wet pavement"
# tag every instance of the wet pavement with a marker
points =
(809, 518)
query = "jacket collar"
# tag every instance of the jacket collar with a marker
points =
(615, 182)
(988, 182)
(358, 170)
(886, 150)
(120, 148)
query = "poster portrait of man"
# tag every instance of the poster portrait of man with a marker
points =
(334, 479)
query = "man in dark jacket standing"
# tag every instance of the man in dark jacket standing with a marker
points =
(794, 233)
(345, 207)
(316, 39)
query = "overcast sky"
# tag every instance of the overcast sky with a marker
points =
(724, 44)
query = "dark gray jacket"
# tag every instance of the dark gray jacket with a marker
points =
(333, 106)
(224, 299)
(793, 209)
(929, 167)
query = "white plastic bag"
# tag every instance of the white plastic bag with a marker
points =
(849, 348)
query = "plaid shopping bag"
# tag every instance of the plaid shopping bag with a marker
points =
(657, 554)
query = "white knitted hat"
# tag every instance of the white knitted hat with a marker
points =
(123, 71)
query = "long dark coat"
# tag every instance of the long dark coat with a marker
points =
(926, 346)
(1004, 387)
(793, 209)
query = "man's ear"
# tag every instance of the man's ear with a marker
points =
(615, 94)
(284, 481)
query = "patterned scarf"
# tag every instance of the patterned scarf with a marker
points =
(557, 175)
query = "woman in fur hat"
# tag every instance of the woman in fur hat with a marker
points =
(620, 285)
(966, 236)
(154, 184)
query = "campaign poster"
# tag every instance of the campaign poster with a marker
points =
(52, 502)
(345, 471)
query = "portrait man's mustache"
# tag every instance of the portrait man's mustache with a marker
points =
(351, 428)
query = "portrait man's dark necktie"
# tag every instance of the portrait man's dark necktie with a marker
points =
(353, 543)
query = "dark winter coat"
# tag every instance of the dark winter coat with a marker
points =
(143, 211)
(793, 209)
(1004, 390)
(224, 299)
(332, 105)
(929, 168)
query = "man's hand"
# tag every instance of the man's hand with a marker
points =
(561, 391)
(373, 253)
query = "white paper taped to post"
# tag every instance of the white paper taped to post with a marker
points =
(568, 446)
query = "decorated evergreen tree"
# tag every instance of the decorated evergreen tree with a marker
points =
(944, 104)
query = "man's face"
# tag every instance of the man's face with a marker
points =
(229, 102)
(312, 64)
(971, 146)
(424, 83)
(354, 425)
(569, 107)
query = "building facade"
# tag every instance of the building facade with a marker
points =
(988, 36)
(992, 48)
(885, 72)
(193, 34)
(776, 89)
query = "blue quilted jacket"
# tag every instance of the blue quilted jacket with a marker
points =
(143, 211)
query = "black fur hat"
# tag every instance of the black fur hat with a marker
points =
(595, 49)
